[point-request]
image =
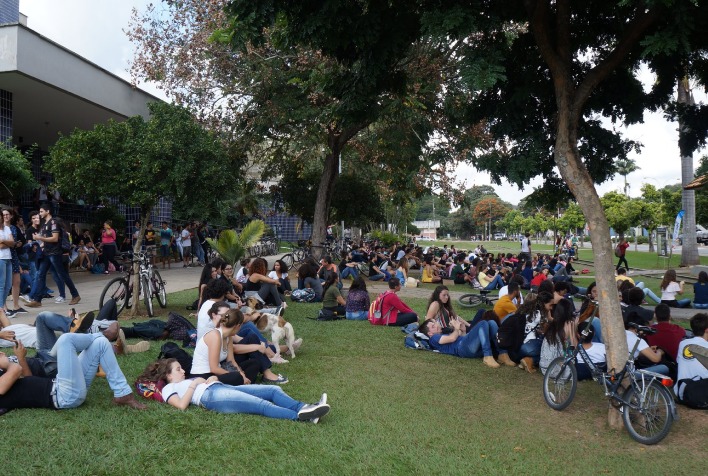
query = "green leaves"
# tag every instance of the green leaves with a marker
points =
(15, 174)
(232, 246)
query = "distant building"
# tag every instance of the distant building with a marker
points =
(428, 228)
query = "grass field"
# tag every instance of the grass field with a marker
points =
(394, 411)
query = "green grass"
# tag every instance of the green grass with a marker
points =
(394, 411)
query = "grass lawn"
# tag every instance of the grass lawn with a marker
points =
(394, 411)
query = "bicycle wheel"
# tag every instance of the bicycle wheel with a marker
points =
(159, 286)
(118, 290)
(648, 416)
(289, 260)
(560, 383)
(469, 300)
(299, 255)
(147, 295)
(363, 269)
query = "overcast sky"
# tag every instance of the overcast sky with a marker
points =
(94, 29)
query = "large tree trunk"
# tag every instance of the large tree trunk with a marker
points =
(689, 248)
(325, 192)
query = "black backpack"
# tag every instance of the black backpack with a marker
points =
(511, 332)
(695, 393)
(170, 350)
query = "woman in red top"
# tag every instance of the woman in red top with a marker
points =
(400, 314)
(108, 245)
(622, 249)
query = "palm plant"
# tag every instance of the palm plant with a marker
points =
(232, 246)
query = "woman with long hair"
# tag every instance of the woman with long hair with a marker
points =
(214, 353)
(109, 246)
(208, 273)
(258, 282)
(280, 272)
(307, 278)
(266, 400)
(358, 301)
(440, 308)
(537, 309)
(332, 299)
(670, 288)
(560, 333)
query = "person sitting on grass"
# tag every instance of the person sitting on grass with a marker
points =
(266, 400)
(635, 297)
(505, 304)
(441, 311)
(430, 272)
(347, 266)
(280, 272)
(561, 332)
(474, 344)
(214, 353)
(700, 291)
(669, 335)
(258, 283)
(398, 312)
(595, 350)
(358, 301)
(307, 278)
(670, 288)
(489, 281)
(460, 272)
(332, 300)
(689, 367)
(75, 373)
(645, 357)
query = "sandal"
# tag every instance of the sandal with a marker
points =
(281, 380)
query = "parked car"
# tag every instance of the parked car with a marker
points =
(701, 235)
(499, 236)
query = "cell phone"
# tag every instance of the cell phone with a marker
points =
(73, 311)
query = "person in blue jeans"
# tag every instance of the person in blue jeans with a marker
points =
(51, 236)
(266, 400)
(78, 357)
(476, 343)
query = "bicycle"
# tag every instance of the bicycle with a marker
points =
(151, 285)
(647, 406)
(472, 299)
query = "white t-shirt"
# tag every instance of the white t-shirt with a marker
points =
(182, 387)
(24, 333)
(505, 290)
(240, 276)
(204, 323)
(530, 326)
(669, 294)
(400, 255)
(200, 360)
(596, 352)
(525, 245)
(5, 234)
(688, 364)
(186, 240)
(274, 275)
(631, 339)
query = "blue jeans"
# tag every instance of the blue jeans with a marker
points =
(377, 277)
(496, 283)
(531, 349)
(55, 262)
(76, 372)
(33, 277)
(649, 293)
(358, 315)
(349, 271)
(476, 343)
(267, 400)
(198, 250)
(46, 323)
(699, 305)
(5, 280)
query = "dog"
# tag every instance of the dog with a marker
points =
(279, 329)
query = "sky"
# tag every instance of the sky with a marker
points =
(95, 29)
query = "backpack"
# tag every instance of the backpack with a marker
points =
(511, 332)
(303, 295)
(179, 328)
(170, 350)
(417, 341)
(375, 315)
(618, 250)
(695, 392)
(65, 241)
(98, 268)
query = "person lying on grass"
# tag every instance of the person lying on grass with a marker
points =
(478, 342)
(267, 400)
(75, 373)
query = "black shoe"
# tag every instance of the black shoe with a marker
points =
(82, 323)
(10, 313)
(21, 310)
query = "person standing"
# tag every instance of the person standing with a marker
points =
(7, 242)
(621, 251)
(166, 238)
(186, 240)
(109, 246)
(525, 254)
(50, 236)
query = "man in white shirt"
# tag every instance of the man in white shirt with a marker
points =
(525, 248)
(186, 241)
(689, 367)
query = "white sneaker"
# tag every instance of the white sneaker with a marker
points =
(323, 401)
(25, 298)
(313, 413)
(59, 299)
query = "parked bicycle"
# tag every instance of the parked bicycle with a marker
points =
(647, 405)
(473, 299)
(151, 285)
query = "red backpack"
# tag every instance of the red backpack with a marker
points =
(376, 316)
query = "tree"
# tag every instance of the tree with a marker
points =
(16, 174)
(232, 246)
(425, 207)
(621, 213)
(487, 211)
(626, 166)
(651, 211)
(572, 219)
(138, 161)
